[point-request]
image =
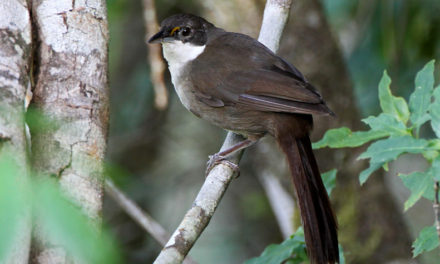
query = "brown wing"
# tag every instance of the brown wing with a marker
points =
(257, 79)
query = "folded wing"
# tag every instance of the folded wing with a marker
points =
(261, 81)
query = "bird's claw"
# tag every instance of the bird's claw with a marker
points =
(217, 159)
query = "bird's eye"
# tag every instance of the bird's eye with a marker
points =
(185, 31)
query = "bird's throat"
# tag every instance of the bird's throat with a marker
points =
(178, 54)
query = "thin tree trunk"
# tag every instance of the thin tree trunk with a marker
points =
(15, 50)
(72, 91)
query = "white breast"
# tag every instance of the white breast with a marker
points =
(178, 55)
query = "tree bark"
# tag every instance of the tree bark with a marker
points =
(72, 91)
(15, 50)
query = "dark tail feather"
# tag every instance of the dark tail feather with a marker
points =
(320, 226)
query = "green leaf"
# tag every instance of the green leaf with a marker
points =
(427, 241)
(420, 184)
(386, 123)
(365, 174)
(430, 154)
(420, 99)
(329, 179)
(389, 149)
(13, 201)
(278, 253)
(65, 224)
(344, 137)
(434, 112)
(395, 106)
(434, 143)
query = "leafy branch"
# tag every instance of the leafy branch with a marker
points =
(396, 131)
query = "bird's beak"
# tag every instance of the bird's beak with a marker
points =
(161, 37)
(157, 38)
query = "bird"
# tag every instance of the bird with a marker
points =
(235, 82)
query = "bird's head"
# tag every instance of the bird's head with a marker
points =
(184, 28)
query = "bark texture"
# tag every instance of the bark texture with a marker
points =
(71, 91)
(15, 50)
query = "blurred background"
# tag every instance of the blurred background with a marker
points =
(342, 46)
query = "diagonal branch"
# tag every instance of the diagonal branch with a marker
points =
(136, 213)
(139, 216)
(198, 216)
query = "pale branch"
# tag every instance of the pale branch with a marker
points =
(436, 206)
(197, 218)
(139, 216)
(282, 203)
(157, 65)
(276, 13)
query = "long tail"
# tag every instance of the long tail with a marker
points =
(318, 219)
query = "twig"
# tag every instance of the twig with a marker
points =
(156, 63)
(436, 206)
(216, 183)
(139, 216)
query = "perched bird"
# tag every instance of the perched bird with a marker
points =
(237, 83)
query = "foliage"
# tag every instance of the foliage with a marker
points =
(293, 249)
(427, 240)
(395, 132)
(63, 222)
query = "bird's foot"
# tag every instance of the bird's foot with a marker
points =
(217, 159)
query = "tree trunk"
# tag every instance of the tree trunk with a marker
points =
(71, 90)
(15, 50)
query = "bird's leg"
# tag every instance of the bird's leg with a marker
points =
(221, 157)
